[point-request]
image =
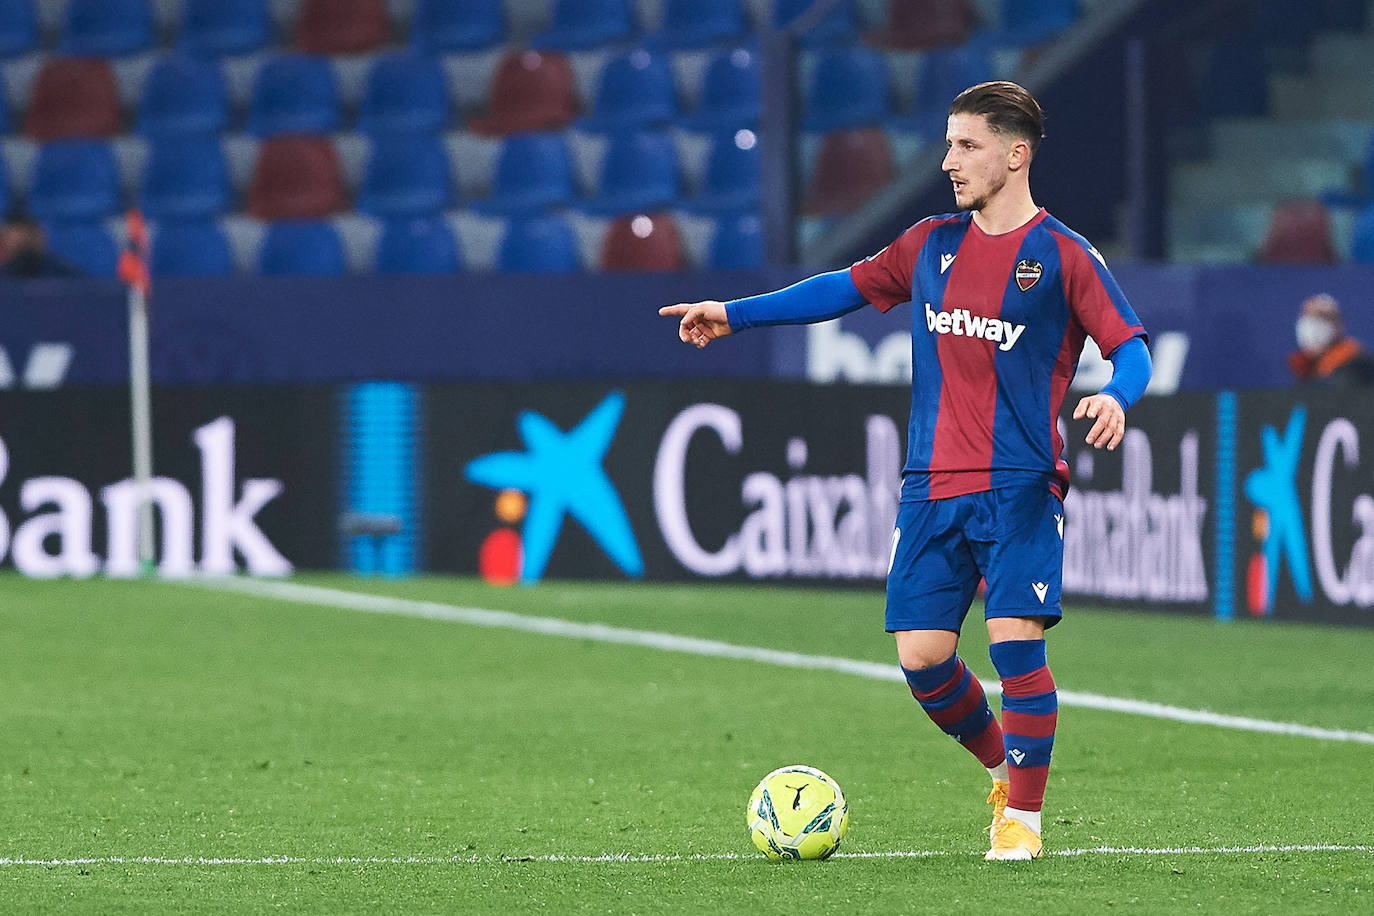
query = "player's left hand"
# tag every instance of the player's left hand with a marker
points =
(1110, 417)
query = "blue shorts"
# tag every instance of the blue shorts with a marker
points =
(1011, 536)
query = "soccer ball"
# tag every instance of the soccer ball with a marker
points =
(797, 812)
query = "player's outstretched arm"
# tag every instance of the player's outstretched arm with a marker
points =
(702, 322)
(1130, 376)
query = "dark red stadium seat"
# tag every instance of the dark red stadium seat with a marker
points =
(1299, 233)
(851, 166)
(296, 178)
(73, 97)
(642, 242)
(342, 26)
(921, 24)
(531, 90)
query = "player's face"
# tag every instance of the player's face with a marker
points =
(976, 161)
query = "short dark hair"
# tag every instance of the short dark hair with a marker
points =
(1009, 108)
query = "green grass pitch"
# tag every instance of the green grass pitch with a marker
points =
(168, 748)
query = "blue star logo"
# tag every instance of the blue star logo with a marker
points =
(1274, 488)
(562, 475)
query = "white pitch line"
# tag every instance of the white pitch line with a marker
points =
(672, 642)
(647, 858)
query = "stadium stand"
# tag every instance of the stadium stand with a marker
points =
(418, 246)
(294, 94)
(533, 173)
(74, 180)
(848, 88)
(106, 28)
(87, 246)
(839, 26)
(404, 93)
(308, 248)
(191, 248)
(639, 173)
(850, 167)
(406, 175)
(729, 93)
(580, 25)
(531, 90)
(634, 90)
(642, 242)
(342, 26)
(1299, 233)
(216, 28)
(538, 245)
(457, 25)
(183, 96)
(185, 177)
(737, 243)
(73, 97)
(920, 25)
(18, 27)
(296, 177)
(698, 24)
(731, 180)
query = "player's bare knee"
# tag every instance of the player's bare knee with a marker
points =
(917, 649)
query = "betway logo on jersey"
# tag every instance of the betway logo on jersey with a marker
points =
(963, 323)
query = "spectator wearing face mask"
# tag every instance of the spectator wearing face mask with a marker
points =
(1325, 354)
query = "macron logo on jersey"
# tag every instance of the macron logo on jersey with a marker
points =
(962, 323)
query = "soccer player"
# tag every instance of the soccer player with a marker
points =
(1002, 295)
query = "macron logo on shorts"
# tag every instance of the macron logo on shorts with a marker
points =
(963, 323)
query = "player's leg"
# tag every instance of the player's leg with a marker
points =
(1024, 566)
(930, 585)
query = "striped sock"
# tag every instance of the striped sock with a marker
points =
(954, 700)
(1030, 713)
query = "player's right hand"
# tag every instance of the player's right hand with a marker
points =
(702, 322)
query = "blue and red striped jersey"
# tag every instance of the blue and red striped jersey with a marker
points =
(998, 323)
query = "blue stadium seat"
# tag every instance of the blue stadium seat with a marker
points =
(731, 181)
(418, 246)
(457, 25)
(221, 27)
(74, 180)
(839, 26)
(730, 91)
(533, 172)
(698, 24)
(737, 243)
(638, 174)
(584, 24)
(848, 88)
(942, 74)
(1027, 22)
(406, 175)
(538, 245)
(185, 177)
(191, 248)
(86, 245)
(1362, 237)
(294, 94)
(404, 93)
(106, 28)
(18, 27)
(183, 96)
(302, 248)
(636, 90)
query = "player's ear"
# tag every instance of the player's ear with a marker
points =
(1019, 155)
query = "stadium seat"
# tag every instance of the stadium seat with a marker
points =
(642, 242)
(1028, 22)
(406, 175)
(18, 28)
(731, 181)
(457, 25)
(1362, 237)
(302, 248)
(639, 173)
(86, 245)
(533, 172)
(185, 177)
(106, 28)
(1236, 81)
(295, 178)
(635, 90)
(531, 90)
(848, 88)
(919, 25)
(837, 27)
(941, 75)
(183, 95)
(538, 245)
(342, 26)
(404, 93)
(73, 97)
(698, 24)
(74, 180)
(737, 243)
(418, 246)
(222, 27)
(191, 248)
(850, 167)
(1299, 233)
(294, 94)
(730, 90)
(579, 25)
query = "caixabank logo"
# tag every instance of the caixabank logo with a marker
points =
(1312, 517)
(559, 475)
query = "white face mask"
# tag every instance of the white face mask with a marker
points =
(1315, 334)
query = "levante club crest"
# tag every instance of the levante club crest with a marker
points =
(1028, 273)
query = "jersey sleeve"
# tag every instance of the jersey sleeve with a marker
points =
(1095, 298)
(885, 278)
